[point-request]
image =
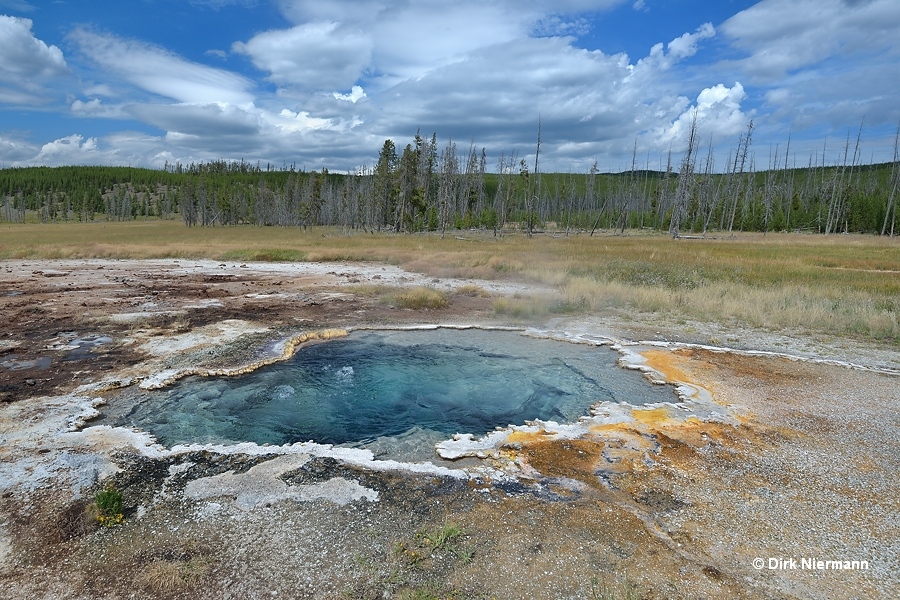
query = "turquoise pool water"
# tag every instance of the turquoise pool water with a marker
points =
(389, 389)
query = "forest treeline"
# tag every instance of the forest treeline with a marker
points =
(427, 186)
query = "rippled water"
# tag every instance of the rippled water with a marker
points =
(393, 391)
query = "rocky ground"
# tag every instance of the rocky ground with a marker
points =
(797, 460)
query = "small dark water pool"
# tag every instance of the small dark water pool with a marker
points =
(395, 392)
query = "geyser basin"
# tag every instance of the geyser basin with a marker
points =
(395, 392)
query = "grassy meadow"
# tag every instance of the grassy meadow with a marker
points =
(841, 285)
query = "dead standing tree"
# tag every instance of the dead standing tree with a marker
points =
(840, 191)
(736, 177)
(769, 190)
(448, 186)
(685, 186)
(709, 193)
(890, 214)
(531, 193)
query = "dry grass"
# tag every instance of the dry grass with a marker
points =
(169, 576)
(840, 285)
(474, 291)
(369, 290)
(416, 298)
(419, 298)
(536, 306)
(847, 312)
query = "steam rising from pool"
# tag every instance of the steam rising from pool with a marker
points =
(395, 392)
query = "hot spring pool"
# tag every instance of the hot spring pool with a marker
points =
(395, 392)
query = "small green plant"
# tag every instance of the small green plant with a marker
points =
(446, 538)
(408, 553)
(441, 538)
(108, 504)
(428, 543)
(465, 554)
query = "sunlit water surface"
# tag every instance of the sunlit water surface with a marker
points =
(395, 392)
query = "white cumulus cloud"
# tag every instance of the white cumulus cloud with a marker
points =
(96, 108)
(719, 116)
(70, 150)
(686, 45)
(356, 94)
(321, 55)
(26, 62)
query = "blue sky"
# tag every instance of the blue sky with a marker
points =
(322, 83)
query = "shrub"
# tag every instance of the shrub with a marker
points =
(108, 503)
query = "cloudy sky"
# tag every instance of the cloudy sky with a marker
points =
(322, 83)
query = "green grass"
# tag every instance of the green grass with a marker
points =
(838, 285)
(444, 537)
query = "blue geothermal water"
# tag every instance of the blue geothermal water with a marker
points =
(377, 389)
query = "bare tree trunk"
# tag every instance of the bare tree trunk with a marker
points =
(662, 192)
(447, 193)
(788, 186)
(839, 193)
(737, 174)
(685, 180)
(891, 212)
(769, 192)
(709, 198)
(536, 182)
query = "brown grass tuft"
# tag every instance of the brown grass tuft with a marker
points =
(168, 576)
(420, 298)
(472, 290)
